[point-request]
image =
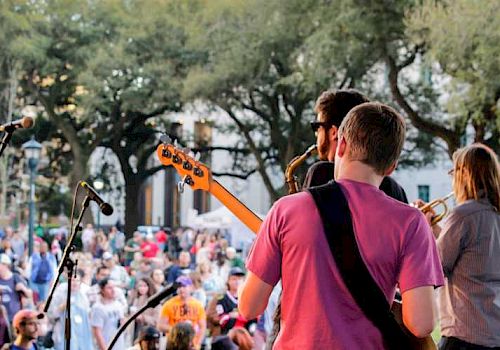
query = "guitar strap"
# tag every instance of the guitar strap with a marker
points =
(337, 223)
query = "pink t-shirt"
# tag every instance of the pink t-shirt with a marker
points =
(318, 311)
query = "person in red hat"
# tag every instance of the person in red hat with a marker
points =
(26, 325)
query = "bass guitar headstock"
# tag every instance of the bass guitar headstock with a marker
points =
(193, 173)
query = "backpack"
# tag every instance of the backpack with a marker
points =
(43, 275)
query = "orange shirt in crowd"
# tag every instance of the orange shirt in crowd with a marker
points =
(190, 311)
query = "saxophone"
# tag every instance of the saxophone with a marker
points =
(290, 178)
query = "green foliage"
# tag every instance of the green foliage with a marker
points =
(463, 36)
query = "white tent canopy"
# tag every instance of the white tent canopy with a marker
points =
(223, 219)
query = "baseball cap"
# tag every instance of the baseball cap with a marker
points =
(184, 281)
(149, 333)
(236, 271)
(25, 314)
(107, 256)
(5, 259)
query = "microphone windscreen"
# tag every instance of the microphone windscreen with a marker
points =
(106, 209)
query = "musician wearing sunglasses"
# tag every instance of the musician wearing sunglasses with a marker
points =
(331, 108)
(394, 240)
(469, 246)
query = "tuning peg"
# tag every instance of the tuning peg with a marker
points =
(197, 156)
(175, 143)
(185, 180)
(165, 139)
(180, 187)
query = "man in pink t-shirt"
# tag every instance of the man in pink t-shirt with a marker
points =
(394, 239)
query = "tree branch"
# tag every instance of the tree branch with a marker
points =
(239, 176)
(452, 138)
(255, 151)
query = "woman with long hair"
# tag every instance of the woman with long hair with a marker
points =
(181, 337)
(469, 246)
(144, 288)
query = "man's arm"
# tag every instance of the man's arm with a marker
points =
(101, 344)
(419, 310)
(201, 331)
(163, 325)
(253, 296)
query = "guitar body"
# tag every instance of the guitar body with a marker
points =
(426, 343)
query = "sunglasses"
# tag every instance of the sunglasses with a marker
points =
(315, 125)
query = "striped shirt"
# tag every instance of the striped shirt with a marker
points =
(469, 246)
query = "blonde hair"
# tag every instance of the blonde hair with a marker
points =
(376, 134)
(476, 174)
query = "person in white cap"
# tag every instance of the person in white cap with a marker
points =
(116, 272)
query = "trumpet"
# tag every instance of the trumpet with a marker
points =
(431, 205)
(290, 178)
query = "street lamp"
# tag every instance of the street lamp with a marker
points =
(32, 151)
(98, 185)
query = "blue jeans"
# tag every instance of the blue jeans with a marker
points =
(42, 289)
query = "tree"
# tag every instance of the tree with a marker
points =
(16, 43)
(462, 36)
(255, 74)
(67, 34)
(132, 83)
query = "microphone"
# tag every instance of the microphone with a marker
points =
(23, 123)
(154, 300)
(106, 208)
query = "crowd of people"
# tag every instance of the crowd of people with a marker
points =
(114, 277)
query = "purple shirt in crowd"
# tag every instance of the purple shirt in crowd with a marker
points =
(318, 311)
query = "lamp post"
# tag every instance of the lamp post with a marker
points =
(98, 185)
(32, 151)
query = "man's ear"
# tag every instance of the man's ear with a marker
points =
(333, 133)
(341, 147)
(390, 170)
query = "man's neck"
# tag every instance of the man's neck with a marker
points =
(106, 300)
(23, 342)
(360, 172)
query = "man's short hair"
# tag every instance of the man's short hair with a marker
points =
(103, 283)
(375, 133)
(334, 105)
(100, 268)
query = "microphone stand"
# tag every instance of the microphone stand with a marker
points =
(5, 140)
(152, 302)
(70, 265)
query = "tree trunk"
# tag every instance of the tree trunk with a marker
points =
(450, 136)
(132, 190)
(10, 94)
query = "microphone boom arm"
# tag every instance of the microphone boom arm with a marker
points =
(152, 302)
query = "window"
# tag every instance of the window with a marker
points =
(424, 192)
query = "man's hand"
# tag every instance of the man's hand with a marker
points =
(436, 229)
